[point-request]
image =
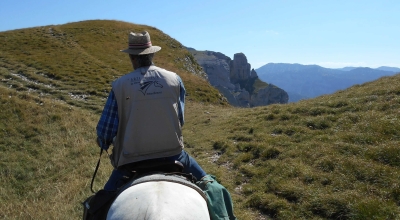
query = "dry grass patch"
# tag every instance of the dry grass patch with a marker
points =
(48, 155)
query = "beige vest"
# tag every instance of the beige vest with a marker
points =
(149, 126)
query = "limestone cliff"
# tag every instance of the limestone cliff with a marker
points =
(269, 95)
(237, 81)
(239, 68)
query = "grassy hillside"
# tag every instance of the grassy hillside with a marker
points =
(78, 61)
(47, 157)
(333, 157)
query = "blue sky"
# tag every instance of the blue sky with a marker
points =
(329, 33)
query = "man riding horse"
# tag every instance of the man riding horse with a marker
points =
(143, 118)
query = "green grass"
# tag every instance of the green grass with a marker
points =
(47, 157)
(332, 157)
(83, 58)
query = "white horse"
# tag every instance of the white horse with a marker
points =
(159, 197)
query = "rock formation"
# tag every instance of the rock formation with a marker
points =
(269, 95)
(216, 66)
(239, 68)
(237, 81)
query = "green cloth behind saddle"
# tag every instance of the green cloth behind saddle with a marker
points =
(219, 200)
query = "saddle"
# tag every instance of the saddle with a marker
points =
(147, 167)
(96, 206)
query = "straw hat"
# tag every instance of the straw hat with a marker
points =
(140, 44)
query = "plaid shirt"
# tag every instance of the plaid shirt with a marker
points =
(107, 127)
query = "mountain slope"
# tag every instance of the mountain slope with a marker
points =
(315, 159)
(335, 156)
(47, 157)
(332, 157)
(54, 81)
(78, 61)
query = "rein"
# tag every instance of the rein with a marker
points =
(95, 171)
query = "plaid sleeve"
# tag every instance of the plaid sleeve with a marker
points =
(108, 124)
(181, 103)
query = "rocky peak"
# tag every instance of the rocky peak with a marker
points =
(239, 68)
(236, 80)
(253, 74)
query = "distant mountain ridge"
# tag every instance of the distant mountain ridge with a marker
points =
(388, 68)
(309, 81)
(384, 68)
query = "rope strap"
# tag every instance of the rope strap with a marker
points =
(95, 171)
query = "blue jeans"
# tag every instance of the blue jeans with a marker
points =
(190, 166)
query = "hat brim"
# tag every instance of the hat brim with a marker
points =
(143, 51)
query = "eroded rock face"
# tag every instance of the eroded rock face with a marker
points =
(253, 74)
(235, 79)
(216, 66)
(243, 98)
(239, 68)
(269, 95)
